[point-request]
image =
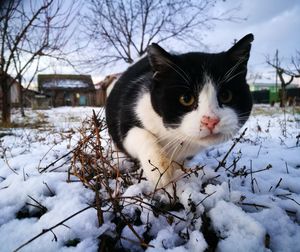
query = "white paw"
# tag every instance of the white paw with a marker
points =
(157, 169)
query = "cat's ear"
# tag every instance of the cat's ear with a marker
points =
(159, 59)
(240, 52)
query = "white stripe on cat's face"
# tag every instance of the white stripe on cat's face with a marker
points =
(190, 127)
(222, 121)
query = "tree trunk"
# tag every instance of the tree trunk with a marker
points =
(283, 96)
(22, 102)
(5, 102)
(283, 85)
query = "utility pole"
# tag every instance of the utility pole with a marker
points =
(276, 72)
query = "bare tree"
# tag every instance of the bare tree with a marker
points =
(29, 30)
(286, 75)
(122, 30)
(296, 63)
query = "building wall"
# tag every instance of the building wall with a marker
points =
(100, 97)
(269, 96)
(72, 98)
(15, 93)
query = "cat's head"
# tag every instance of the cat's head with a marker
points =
(202, 96)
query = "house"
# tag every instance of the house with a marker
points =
(67, 90)
(270, 92)
(36, 100)
(104, 87)
(15, 92)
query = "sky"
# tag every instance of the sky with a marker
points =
(274, 23)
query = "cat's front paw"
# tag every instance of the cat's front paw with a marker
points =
(159, 170)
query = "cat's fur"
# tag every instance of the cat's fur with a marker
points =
(151, 114)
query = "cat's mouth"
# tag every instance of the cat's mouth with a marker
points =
(212, 137)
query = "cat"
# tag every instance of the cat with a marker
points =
(166, 107)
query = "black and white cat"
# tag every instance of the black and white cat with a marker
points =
(168, 107)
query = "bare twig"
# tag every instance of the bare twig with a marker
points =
(122, 31)
(44, 231)
(223, 162)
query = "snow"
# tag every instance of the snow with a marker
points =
(238, 230)
(252, 204)
(65, 84)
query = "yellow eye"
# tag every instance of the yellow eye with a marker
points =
(225, 96)
(187, 100)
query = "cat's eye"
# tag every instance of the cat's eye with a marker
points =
(187, 100)
(225, 96)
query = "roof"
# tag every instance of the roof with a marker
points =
(65, 82)
(109, 79)
(33, 93)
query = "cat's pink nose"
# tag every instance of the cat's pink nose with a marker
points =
(210, 122)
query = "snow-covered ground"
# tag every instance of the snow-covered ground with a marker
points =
(250, 203)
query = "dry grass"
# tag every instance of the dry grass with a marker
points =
(108, 174)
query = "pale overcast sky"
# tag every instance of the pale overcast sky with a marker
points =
(275, 25)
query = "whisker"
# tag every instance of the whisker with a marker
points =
(186, 146)
(163, 137)
(176, 148)
(243, 113)
(243, 117)
(231, 70)
(228, 75)
(170, 144)
(180, 86)
(239, 73)
(183, 75)
(173, 125)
